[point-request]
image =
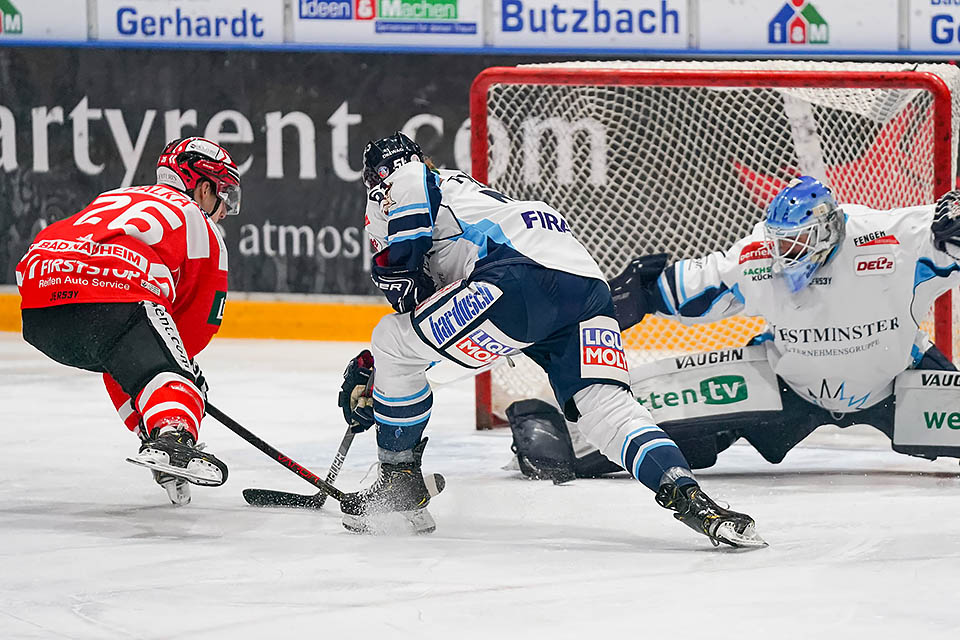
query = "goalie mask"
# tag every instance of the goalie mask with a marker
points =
(386, 155)
(803, 227)
(184, 163)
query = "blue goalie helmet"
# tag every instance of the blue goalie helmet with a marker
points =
(386, 155)
(803, 227)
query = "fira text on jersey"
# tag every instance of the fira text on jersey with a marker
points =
(545, 220)
(602, 347)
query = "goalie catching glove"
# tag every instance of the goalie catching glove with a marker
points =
(630, 289)
(946, 224)
(356, 394)
(404, 288)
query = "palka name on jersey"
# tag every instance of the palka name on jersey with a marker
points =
(459, 312)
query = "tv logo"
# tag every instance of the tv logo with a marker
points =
(798, 22)
(337, 9)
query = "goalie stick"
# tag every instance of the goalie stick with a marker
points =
(324, 486)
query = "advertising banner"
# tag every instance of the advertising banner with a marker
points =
(415, 23)
(42, 20)
(799, 26)
(590, 24)
(213, 21)
(77, 122)
(706, 384)
(934, 26)
(927, 411)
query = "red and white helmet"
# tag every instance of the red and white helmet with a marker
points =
(184, 163)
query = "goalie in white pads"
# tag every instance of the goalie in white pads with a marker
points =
(843, 290)
(474, 276)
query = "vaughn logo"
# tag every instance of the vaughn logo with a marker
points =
(716, 390)
(874, 264)
(940, 379)
(710, 357)
(755, 251)
(10, 19)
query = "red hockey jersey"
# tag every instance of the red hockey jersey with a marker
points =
(138, 243)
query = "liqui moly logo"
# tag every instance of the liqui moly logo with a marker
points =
(602, 347)
(463, 308)
(482, 347)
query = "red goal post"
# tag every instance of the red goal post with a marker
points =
(636, 154)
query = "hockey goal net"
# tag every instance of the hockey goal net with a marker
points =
(682, 157)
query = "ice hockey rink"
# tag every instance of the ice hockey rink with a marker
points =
(863, 542)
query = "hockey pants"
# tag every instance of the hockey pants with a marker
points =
(137, 347)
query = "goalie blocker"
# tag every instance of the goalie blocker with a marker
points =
(709, 400)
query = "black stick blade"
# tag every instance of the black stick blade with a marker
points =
(271, 498)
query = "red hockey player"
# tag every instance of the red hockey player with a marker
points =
(133, 286)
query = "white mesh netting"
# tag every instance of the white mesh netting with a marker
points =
(639, 168)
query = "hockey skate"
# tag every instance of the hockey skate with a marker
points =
(396, 503)
(696, 510)
(175, 461)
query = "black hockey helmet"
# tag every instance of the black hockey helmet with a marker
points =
(386, 155)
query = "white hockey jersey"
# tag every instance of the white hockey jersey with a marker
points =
(840, 341)
(453, 222)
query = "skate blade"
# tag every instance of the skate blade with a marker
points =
(727, 533)
(198, 472)
(395, 523)
(178, 490)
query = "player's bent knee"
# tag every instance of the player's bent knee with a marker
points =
(170, 399)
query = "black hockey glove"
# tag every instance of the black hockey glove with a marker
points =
(946, 224)
(355, 398)
(630, 289)
(403, 288)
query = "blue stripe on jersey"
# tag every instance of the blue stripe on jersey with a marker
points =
(635, 442)
(665, 295)
(683, 289)
(700, 304)
(648, 452)
(401, 419)
(926, 270)
(413, 234)
(480, 232)
(387, 399)
(408, 207)
(404, 413)
(626, 441)
(916, 355)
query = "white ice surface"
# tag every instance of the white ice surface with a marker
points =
(865, 543)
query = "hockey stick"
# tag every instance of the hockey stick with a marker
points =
(273, 498)
(324, 486)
